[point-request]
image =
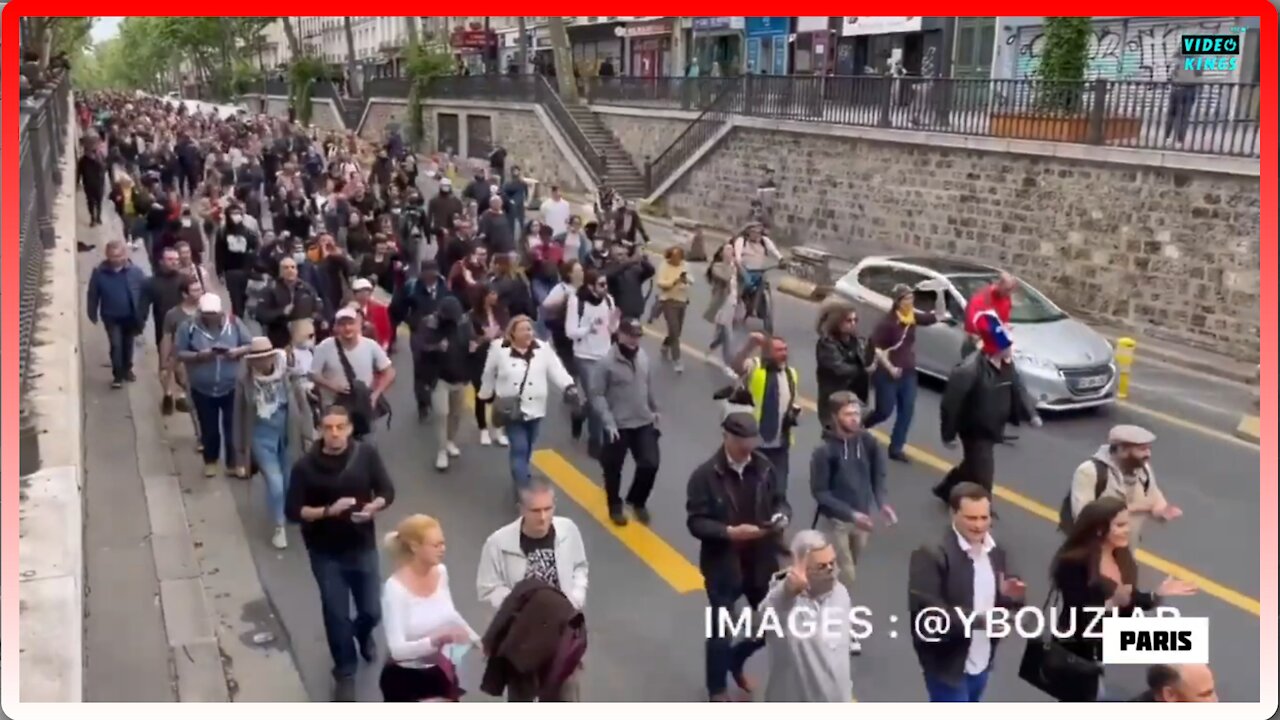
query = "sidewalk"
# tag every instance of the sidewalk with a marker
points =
(175, 610)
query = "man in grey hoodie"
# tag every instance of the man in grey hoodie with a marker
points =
(846, 476)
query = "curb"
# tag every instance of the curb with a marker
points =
(1249, 429)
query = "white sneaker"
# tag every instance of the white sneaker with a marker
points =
(442, 460)
(502, 438)
(279, 540)
(679, 367)
(485, 438)
(855, 647)
(453, 450)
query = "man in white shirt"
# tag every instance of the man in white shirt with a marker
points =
(556, 212)
(957, 662)
(538, 544)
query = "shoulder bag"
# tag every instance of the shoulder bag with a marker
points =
(1054, 668)
(506, 410)
(359, 398)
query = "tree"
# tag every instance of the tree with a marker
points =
(295, 48)
(51, 35)
(563, 56)
(1063, 63)
(352, 81)
(522, 43)
(411, 32)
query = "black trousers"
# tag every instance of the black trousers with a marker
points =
(94, 201)
(404, 684)
(978, 466)
(238, 290)
(425, 375)
(642, 444)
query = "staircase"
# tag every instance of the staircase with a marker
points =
(619, 171)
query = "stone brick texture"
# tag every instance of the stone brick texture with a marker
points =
(643, 137)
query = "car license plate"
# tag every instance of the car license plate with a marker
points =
(1092, 383)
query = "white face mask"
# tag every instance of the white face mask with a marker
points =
(186, 222)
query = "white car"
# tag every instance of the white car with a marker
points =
(1065, 364)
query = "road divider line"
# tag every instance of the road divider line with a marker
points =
(667, 562)
(1188, 425)
(1222, 592)
(1250, 428)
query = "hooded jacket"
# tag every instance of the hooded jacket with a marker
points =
(846, 475)
(588, 322)
(626, 284)
(1137, 487)
(447, 326)
(525, 642)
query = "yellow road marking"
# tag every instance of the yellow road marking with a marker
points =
(924, 457)
(669, 564)
(1188, 425)
(1249, 428)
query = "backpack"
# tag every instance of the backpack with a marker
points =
(1103, 473)
(582, 305)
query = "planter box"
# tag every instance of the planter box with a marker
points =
(1036, 126)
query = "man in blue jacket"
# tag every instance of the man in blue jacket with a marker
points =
(115, 295)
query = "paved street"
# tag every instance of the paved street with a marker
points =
(645, 605)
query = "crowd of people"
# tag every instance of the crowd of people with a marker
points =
(325, 246)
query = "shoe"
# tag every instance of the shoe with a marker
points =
(369, 649)
(618, 517)
(679, 367)
(181, 405)
(117, 384)
(442, 460)
(423, 412)
(485, 438)
(899, 456)
(130, 377)
(279, 539)
(166, 405)
(84, 247)
(210, 470)
(344, 689)
(641, 513)
(502, 438)
(453, 450)
(855, 647)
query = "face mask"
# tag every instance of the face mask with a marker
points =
(186, 222)
(234, 219)
(598, 245)
(300, 257)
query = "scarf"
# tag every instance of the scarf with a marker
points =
(270, 390)
(907, 318)
(770, 417)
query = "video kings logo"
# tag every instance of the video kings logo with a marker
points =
(1211, 52)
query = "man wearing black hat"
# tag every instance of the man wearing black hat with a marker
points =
(738, 509)
(623, 397)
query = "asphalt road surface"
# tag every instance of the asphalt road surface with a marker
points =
(645, 604)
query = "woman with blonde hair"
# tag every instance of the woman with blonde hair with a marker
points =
(518, 374)
(426, 635)
(673, 283)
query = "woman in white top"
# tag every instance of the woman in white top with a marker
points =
(426, 636)
(522, 367)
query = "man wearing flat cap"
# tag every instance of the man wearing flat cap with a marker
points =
(738, 509)
(1122, 468)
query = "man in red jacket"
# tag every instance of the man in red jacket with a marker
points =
(996, 297)
(373, 312)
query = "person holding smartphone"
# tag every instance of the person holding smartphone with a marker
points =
(673, 283)
(211, 346)
(965, 570)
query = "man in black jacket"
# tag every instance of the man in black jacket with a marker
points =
(445, 342)
(965, 577)
(412, 304)
(287, 299)
(335, 491)
(738, 510)
(984, 394)
(163, 292)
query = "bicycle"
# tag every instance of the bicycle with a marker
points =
(757, 291)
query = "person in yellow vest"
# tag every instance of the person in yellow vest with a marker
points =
(773, 385)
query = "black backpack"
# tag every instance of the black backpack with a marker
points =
(1103, 472)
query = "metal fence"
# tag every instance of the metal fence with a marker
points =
(1206, 118)
(42, 127)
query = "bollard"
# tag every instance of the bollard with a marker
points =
(1124, 365)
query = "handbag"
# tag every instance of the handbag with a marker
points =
(507, 410)
(1052, 667)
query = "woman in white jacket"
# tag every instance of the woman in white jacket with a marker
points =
(426, 635)
(590, 320)
(520, 366)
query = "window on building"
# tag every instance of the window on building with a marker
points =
(479, 136)
(447, 139)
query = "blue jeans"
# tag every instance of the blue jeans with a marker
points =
(891, 394)
(969, 690)
(120, 337)
(271, 452)
(342, 579)
(217, 424)
(725, 655)
(522, 436)
(595, 428)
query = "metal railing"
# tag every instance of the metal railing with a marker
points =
(277, 87)
(511, 88)
(723, 98)
(386, 87)
(1215, 118)
(550, 100)
(42, 127)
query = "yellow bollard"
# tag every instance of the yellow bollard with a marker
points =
(1124, 365)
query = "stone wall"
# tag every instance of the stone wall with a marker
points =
(643, 137)
(1170, 252)
(529, 144)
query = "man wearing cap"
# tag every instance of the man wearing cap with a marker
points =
(622, 393)
(353, 371)
(211, 345)
(373, 312)
(984, 394)
(1122, 469)
(738, 510)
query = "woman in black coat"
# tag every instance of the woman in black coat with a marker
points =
(841, 357)
(1095, 569)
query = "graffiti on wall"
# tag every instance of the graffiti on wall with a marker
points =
(1133, 49)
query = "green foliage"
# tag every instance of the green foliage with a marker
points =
(70, 35)
(1063, 63)
(303, 74)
